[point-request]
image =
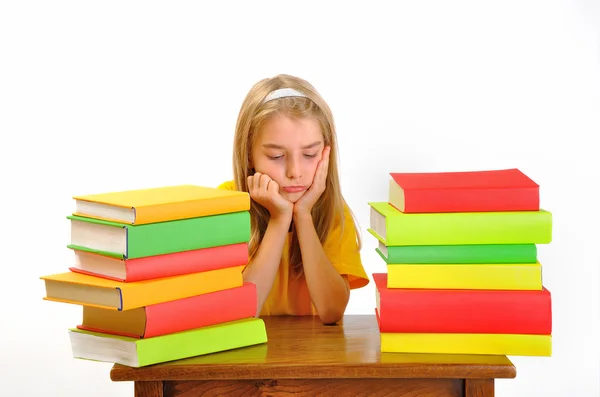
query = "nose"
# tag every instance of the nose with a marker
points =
(294, 169)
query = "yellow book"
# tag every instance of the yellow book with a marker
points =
(500, 344)
(167, 203)
(519, 276)
(82, 289)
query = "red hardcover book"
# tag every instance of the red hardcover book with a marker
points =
(160, 266)
(467, 191)
(462, 311)
(174, 316)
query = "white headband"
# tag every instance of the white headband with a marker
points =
(282, 93)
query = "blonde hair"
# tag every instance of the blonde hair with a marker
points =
(253, 114)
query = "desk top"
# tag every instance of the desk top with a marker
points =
(302, 347)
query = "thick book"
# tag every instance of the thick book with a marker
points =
(496, 276)
(159, 266)
(393, 227)
(466, 191)
(466, 253)
(136, 353)
(86, 290)
(160, 204)
(494, 344)
(462, 311)
(138, 241)
(174, 316)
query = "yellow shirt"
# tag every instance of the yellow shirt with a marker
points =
(289, 295)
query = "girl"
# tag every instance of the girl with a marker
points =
(304, 246)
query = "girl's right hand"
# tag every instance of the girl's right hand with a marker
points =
(265, 191)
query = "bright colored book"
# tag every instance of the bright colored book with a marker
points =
(512, 276)
(462, 311)
(467, 253)
(136, 353)
(160, 204)
(138, 241)
(174, 316)
(160, 266)
(393, 227)
(466, 191)
(494, 344)
(82, 289)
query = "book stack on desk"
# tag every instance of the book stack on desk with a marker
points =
(463, 276)
(158, 273)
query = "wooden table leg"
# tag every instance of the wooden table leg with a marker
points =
(148, 389)
(479, 387)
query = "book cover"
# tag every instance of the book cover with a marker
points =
(465, 253)
(467, 191)
(511, 276)
(393, 227)
(82, 289)
(138, 241)
(160, 266)
(462, 311)
(159, 204)
(136, 353)
(174, 316)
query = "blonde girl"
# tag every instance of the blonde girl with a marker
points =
(304, 247)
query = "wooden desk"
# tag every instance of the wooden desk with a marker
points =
(305, 358)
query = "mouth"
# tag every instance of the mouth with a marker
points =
(294, 189)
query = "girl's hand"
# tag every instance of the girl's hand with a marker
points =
(265, 191)
(307, 201)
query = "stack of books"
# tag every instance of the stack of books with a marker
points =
(463, 275)
(158, 274)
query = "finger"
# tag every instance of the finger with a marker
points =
(256, 181)
(264, 182)
(249, 183)
(273, 187)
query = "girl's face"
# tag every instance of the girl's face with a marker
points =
(288, 151)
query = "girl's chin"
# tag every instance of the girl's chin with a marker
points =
(292, 197)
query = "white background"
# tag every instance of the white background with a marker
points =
(112, 95)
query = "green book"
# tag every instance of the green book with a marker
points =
(458, 254)
(393, 227)
(122, 240)
(137, 353)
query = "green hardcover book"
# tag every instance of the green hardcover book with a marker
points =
(123, 240)
(137, 353)
(473, 253)
(393, 227)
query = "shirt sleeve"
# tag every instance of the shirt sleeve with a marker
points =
(229, 185)
(341, 248)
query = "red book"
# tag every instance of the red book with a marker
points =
(160, 266)
(462, 311)
(174, 316)
(467, 191)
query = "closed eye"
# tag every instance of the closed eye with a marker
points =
(310, 155)
(274, 157)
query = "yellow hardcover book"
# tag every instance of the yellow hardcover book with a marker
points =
(521, 276)
(495, 344)
(167, 203)
(82, 289)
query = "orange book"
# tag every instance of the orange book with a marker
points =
(159, 266)
(174, 316)
(160, 204)
(82, 289)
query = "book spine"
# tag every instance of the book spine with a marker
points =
(471, 200)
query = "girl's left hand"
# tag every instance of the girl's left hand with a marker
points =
(305, 203)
